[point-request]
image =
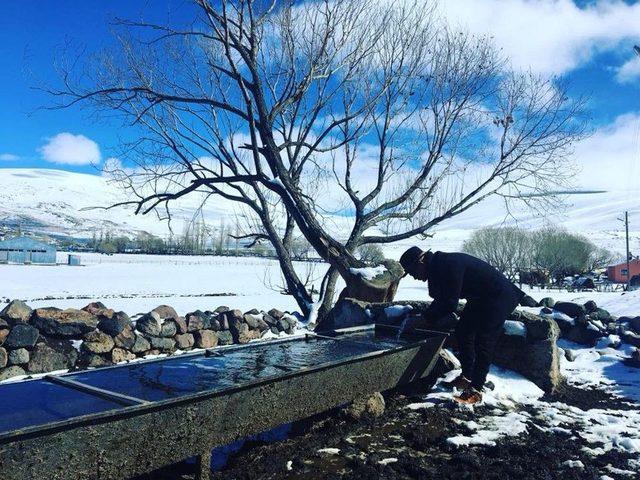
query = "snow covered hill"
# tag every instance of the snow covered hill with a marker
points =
(55, 202)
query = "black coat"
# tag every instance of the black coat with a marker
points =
(453, 276)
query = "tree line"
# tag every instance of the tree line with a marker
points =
(551, 253)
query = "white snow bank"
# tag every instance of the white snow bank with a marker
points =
(512, 327)
(369, 273)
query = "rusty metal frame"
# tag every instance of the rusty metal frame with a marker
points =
(142, 437)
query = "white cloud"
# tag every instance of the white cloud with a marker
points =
(548, 36)
(629, 72)
(610, 158)
(8, 157)
(69, 149)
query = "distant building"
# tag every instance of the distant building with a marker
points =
(27, 250)
(618, 273)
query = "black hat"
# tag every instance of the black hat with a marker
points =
(410, 258)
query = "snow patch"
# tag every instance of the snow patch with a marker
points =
(512, 327)
(369, 273)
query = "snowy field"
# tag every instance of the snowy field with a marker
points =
(139, 283)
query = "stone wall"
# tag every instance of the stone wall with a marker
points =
(527, 345)
(42, 340)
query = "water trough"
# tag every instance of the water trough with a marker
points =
(127, 420)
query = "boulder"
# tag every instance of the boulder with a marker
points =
(571, 309)
(270, 321)
(215, 325)
(97, 342)
(22, 335)
(94, 360)
(4, 333)
(600, 314)
(253, 311)
(9, 372)
(547, 302)
(590, 306)
(446, 362)
(115, 324)
(255, 322)
(275, 313)
(185, 341)
(367, 406)
(630, 338)
(582, 334)
(221, 309)
(16, 312)
(181, 324)
(149, 324)
(140, 344)
(121, 355)
(4, 357)
(346, 313)
(235, 319)
(224, 337)
(125, 339)
(63, 323)
(63, 347)
(634, 324)
(99, 309)
(570, 355)
(46, 359)
(245, 334)
(196, 321)
(168, 329)
(205, 339)
(17, 357)
(164, 344)
(528, 301)
(165, 311)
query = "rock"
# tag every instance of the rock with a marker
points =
(115, 324)
(22, 335)
(63, 323)
(269, 320)
(546, 311)
(4, 333)
(152, 352)
(98, 309)
(255, 322)
(590, 306)
(165, 345)
(149, 324)
(245, 334)
(235, 319)
(570, 355)
(165, 311)
(528, 301)
(121, 355)
(17, 357)
(346, 313)
(93, 360)
(97, 342)
(140, 345)
(185, 341)
(224, 337)
(215, 325)
(125, 339)
(195, 321)
(571, 309)
(221, 309)
(538, 328)
(630, 338)
(634, 324)
(46, 359)
(205, 339)
(168, 329)
(275, 313)
(600, 314)
(580, 333)
(181, 324)
(547, 302)
(283, 325)
(62, 346)
(4, 357)
(10, 372)
(372, 405)
(16, 312)
(446, 362)
(253, 311)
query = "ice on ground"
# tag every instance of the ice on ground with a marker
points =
(512, 327)
(573, 464)
(329, 451)
(395, 311)
(369, 273)
(387, 461)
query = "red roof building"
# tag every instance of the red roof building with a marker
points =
(618, 273)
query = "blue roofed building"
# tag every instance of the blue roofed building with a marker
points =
(27, 250)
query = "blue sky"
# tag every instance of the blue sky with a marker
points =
(589, 43)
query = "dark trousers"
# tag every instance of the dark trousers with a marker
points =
(477, 332)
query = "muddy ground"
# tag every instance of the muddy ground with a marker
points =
(408, 444)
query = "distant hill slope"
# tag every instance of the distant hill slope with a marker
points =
(53, 202)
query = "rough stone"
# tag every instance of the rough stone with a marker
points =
(206, 339)
(590, 306)
(149, 324)
(140, 344)
(168, 329)
(93, 360)
(22, 335)
(631, 338)
(275, 313)
(62, 346)
(221, 309)
(46, 359)
(185, 341)
(255, 322)
(181, 324)
(16, 312)
(99, 309)
(125, 339)
(165, 311)
(224, 337)
(121, 355)
(446, 362)
(253, 311)
(634, 324)
(547, 302)
(528, 301)
(371, 405)
(164, 344)
(63, 323)
(4, 333)
(10, 372)
(195, 321)
(571, 309)
(600, 314)
(98, 342)
(17, 357)
(570, 355)
(215, 325)
(579, 333)
(4, 357)
(115, 324)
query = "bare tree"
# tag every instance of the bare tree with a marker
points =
(508, 249)
(305, 114)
